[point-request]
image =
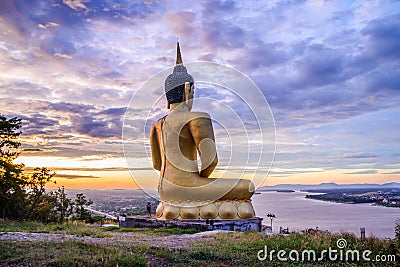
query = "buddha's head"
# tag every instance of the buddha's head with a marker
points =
(179, 85)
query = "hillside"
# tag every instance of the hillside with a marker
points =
(34, 244)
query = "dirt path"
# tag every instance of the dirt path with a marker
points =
(170, 241)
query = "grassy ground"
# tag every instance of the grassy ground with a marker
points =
(223, 249)
(69, 253)
(240, 249)
(81, 229)
(76, 228)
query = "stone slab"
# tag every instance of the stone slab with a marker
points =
(253, 224)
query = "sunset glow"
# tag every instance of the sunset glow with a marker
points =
(330, 71)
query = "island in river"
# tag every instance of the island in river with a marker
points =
(389, 197)
(377, 194)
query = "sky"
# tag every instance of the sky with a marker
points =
(330, 71)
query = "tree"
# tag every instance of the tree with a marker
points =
(23, 196)
(45, 210)
(63, 205)
(8, 135)
(80, 203)
(36, 187)
(12, 180)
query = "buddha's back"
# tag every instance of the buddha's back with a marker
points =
(181, 135)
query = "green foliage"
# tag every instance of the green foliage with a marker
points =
(397, 236)
(8, 135)
(23, 226)
(36, 191)
(80, 203)
(113, 229)
(12, 180)
(128, 261)
(23, 196)
(71, 228)
(68, 253)
(94, 219)
(240, 249)
(63, 204)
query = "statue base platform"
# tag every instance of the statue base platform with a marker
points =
(203, 210)
(253, 224)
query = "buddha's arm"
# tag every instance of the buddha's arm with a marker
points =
(203, 135)
(155, 147)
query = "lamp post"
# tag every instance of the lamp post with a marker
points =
(271, 216)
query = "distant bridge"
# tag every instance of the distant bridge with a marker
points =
(108, 216)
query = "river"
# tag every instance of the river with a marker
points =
(295, 211)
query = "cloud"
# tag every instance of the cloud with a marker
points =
(266, 54)
(67, 117)
(38, 124)
(182, 24)
(80, 149)
(88, 125)
(218, 8)
(360, 155)
(55, 169)
(219, 30)
(221, 33)
(113, 111)
(319, 66)
(32, 149)
(104, 123)
(364, 172)
(274, 173)
(63, 56)
(394, 172)
(74, 176)
(71, 107)
(382, 38)
(76, 4)
(47, 25)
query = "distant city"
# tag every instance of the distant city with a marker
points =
(119, 202)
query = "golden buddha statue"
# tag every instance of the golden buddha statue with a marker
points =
(185, 189)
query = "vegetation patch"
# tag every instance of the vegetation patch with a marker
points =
(79, 229)
(240, 249)
(222, 249)
(69, 253)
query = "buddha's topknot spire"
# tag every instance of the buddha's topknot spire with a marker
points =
(176, 79)
(178, 54)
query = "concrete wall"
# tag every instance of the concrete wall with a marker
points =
(230, 225)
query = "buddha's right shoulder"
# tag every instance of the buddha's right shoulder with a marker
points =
(200, 120)
(200, 116)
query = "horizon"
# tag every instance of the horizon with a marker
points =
(141, 189)
(329, 71)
